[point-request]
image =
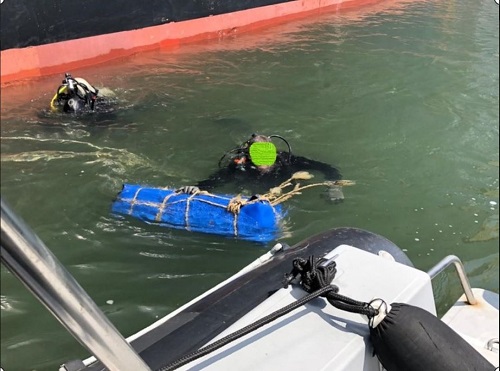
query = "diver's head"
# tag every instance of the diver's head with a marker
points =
(262, 152)
(258, 138)
(258, 152)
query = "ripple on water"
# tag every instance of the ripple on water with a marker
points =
(180, 276)
(24, 343)
(167, 256)
(9, 305)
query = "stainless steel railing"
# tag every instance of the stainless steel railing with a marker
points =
(445, 263)
(25, 255)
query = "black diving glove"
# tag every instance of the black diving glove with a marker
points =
(334, 194)
(190, 190)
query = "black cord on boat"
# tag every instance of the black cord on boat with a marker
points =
(246, 330)
(315, 278)
(315, 274)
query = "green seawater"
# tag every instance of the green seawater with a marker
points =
(403, 99)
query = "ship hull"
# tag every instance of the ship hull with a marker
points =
(46, 37)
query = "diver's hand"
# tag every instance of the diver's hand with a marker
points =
(190, 190)
(334, 194)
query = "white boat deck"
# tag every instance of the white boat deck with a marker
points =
(477, 324)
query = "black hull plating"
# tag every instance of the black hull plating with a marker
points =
(38, 22)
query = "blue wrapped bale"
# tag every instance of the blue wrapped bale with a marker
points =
(256, 220)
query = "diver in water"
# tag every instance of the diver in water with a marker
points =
(258, 164)
(76, 95)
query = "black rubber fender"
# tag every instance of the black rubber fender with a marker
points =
(412, 339)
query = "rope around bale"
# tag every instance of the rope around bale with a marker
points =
(276, 196)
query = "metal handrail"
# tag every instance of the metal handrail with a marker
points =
(25, 255)
(462, 275)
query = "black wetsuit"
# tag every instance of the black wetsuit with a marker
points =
(248, 177)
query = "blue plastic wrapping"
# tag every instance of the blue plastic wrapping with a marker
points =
(207, 213)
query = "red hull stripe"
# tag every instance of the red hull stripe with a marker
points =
(30, 62)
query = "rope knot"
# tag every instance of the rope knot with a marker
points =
(235, 204)
(317, 274)
(314, 274)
